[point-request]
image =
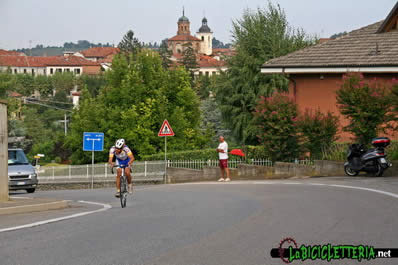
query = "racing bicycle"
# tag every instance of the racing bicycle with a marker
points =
(123, 186)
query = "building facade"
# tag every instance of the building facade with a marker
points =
(201, 43)
(316, 73)
(22, 64)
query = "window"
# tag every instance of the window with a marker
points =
(24, 71)
(203, 38)
(33, 72)
(77, 71)
(214, 72)
(59, 70)
(200, 73)
(207, 73)
(67, 70)
(51, 70)
(15, 71)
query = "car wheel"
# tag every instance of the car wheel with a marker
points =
(31, 190)
(349, 171)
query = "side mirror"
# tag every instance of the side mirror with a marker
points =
(33, 162)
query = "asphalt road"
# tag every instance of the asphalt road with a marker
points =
(210, 223)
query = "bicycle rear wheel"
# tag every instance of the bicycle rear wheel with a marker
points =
(123, 191)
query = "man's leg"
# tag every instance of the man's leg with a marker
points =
(227, 170)
(222, 171)
(119, 173)
(129, 179)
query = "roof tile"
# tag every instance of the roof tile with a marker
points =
(362, 47)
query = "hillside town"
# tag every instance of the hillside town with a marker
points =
(279, 145)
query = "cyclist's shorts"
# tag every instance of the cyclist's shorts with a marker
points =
(123, 163)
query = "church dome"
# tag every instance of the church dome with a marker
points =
(183, 19)
(204, 28)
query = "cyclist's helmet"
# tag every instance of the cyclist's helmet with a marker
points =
(119, 143)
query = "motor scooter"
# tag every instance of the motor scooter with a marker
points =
(374, 160)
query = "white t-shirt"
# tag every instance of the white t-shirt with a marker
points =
(223, 146)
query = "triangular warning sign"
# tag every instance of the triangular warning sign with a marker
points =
(166, 129)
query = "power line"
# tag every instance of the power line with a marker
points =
(29, 101)
(51, 101)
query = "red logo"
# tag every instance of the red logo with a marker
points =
(285, 244)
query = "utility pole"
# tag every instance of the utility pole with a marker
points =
(3, 152)
(37, 102)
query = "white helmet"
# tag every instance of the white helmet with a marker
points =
(119, 143)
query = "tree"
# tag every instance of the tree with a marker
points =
(189, 60)
(202, 86)
(318, 131)
(218, 44)
(7, 82)
(275, 119)
(93, 83)
(165, 53)
(258, 37)
(134, 104)
(212, 121)
(368, 105)
(337, 35)
(129, 44)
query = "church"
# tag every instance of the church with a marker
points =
(201, 43)
(210, 61)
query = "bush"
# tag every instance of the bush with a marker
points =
(368, 105)
(252, 152)
(318, 130)
(204, 154)
(392, 151)
(276, 120)
(335, 152)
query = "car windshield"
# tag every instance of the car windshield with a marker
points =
(17, 157)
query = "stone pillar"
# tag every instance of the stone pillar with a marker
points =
(3, 152)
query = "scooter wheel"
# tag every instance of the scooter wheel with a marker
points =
(380, 170)
(349, 171)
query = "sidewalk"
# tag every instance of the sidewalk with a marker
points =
(18, 205)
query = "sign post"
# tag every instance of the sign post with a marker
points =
(165, 131)
(93, 141)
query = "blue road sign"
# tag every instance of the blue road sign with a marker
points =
(93, 141)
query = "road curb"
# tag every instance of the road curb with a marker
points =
(55, 205)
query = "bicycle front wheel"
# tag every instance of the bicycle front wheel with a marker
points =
(123, 191)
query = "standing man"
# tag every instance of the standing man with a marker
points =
(222, 150)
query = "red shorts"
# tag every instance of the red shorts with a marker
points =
(223, 163)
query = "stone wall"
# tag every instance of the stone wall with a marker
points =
(279, 171)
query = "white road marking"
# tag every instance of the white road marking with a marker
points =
(105, 207)
(108, 206)
(267, 182)
(367, 189)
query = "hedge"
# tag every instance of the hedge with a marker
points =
(252, 152)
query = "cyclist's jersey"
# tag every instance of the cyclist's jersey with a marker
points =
(123, 155)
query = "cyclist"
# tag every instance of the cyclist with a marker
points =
(124, 157)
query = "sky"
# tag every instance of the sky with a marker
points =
(26, 23)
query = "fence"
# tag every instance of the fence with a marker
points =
(199, 164)
(141, 171)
